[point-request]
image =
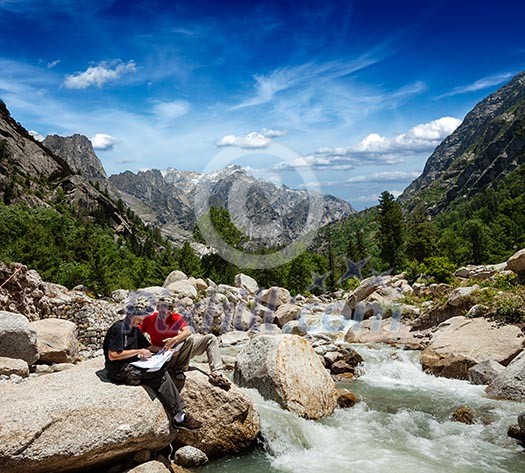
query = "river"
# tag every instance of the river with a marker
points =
(402, 425)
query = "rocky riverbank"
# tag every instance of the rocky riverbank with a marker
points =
(291, 349)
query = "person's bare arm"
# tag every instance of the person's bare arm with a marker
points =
(180, 337)
(125, 354)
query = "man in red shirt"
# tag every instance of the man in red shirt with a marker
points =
(167, 329)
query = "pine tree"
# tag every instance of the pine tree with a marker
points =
(421, 239)
(391, 234)
(360, 246)
(189, 262)
(331, 280)
(300, 274)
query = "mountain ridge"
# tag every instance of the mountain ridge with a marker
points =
(484, 148)
(273, 215)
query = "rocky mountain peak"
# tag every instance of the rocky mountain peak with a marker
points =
(78, 152)
(485, 148)
(167, 199)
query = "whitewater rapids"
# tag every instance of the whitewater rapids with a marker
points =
(401, 425)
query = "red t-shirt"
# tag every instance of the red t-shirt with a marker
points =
(159, 329)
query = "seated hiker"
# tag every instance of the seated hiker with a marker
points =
(168, 329)
(124, 344)
(209, 344)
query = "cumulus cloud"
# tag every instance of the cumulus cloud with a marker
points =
(167, 111)
(52, 64)
(103, 142)
(480, 84)
(423, 137)
(99, 75)
(252, 140)
(37, 136)
(378, 149)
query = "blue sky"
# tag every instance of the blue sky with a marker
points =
(349, 98)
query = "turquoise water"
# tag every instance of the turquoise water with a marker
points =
(402, 425)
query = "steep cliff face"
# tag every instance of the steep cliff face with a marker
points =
(78, 152)
(25, 165)
(33, 174)
(269, 214)
(488, 145)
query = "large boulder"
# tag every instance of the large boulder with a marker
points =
(286, 313)
(76, 419)
(200, 284)
(295, 327)
(286, 369)
(388, 331)
(174, 276)
(230, 422)
(516, 262)
(17, 337)
(243, 318)
(460, 343)
(274, 297)
(246, 282)
(183, 289)
(361, 292)
(510, 384)
(377, 303)
(462, 297)
(264, 313)
(56, 340)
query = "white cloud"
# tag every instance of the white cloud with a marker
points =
(167, 111)
(37, 136)
(377, 149)
(423, 137)
(480, 84)
(269, 133)
(387, 176)
(103, 142)
(99, 75)
(52, 64)
(252, 140)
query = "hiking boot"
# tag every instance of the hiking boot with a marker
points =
(189, 423)
(219, 380)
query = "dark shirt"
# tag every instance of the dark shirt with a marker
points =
(121, 336)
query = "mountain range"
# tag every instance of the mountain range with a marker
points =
(486, 148)
(268, 214)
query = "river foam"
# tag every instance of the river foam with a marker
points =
(401, 425)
